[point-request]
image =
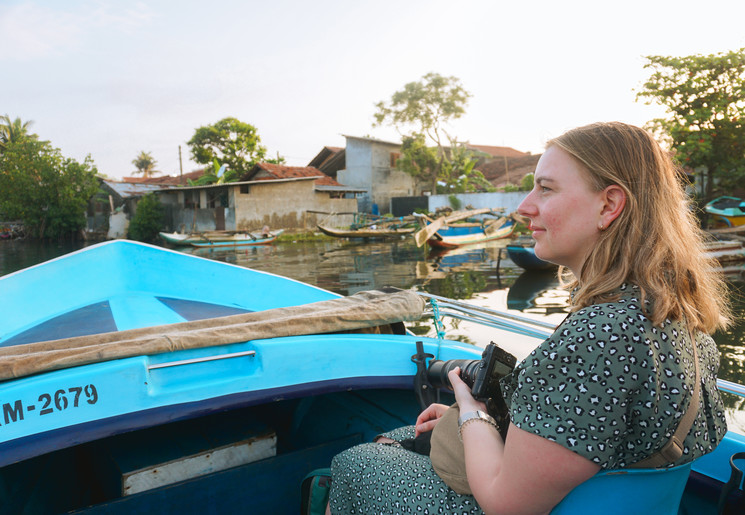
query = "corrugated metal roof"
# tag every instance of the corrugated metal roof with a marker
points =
(128, 189)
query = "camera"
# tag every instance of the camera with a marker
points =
(482, 376)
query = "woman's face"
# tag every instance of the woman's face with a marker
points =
(564, 210)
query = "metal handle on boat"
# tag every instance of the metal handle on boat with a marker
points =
(490, 317)
(201, 360)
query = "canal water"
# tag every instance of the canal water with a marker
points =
(482, 275)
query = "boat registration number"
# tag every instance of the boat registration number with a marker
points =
(48, 403)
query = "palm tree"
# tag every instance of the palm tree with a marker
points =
(145, 164)
(12, 131)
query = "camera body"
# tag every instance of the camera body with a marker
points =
(482, 376)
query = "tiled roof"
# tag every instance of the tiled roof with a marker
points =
(498, 151)
(275, 171)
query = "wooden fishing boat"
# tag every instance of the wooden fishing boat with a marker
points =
(367, 233)
(168, 383)
(726, 211)
(462, 228)
(239, 240)
(218, 238)
(369, 226)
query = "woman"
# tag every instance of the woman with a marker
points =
(607, 389)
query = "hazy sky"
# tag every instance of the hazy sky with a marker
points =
(112, 78)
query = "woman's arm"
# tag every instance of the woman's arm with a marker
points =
(527, 475)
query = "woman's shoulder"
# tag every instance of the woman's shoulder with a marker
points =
(626, 309)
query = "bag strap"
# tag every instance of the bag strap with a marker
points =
(673, 449)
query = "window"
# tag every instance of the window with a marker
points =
(245, 189)
(395, 156)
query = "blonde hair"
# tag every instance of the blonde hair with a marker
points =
(655, 242)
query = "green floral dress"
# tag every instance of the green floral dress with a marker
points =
(607, 385)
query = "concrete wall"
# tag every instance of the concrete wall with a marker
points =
(285, 205)
(280, 205)
(368, 166)
(508, 201)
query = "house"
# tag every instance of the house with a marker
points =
(110, 209)
(279, 196)
(370, 165)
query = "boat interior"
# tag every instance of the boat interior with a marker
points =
(248, 459)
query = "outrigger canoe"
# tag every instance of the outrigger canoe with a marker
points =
(367, 233)
(135, 379)
(462, 228)
(239, 240)
(219, 238)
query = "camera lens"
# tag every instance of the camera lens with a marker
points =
(438, 371)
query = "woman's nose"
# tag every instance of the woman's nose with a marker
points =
(527, 206)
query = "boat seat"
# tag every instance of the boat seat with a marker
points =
(637, 491)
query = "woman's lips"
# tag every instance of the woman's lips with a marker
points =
(534, 228)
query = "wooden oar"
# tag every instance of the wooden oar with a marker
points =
(427, 232)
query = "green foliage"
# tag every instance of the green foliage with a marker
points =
(426, 106)
(145, 164)
(527, 182)
(705, 100)
(510, 188)
(458, 173)
(13, 131)
(49, 192)
(230, 142)
(148, 219)
(419, 160)
(454, 202)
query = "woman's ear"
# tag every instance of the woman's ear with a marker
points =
(614, 198)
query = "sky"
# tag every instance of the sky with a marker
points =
(111, 78)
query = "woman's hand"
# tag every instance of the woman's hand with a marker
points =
(428, 419)
(463, 396)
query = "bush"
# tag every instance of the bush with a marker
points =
(527, 183)
(148, 219)
(455, 202)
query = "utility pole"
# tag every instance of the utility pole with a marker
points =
(180, 164)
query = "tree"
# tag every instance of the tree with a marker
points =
(230, 142)
(145, 164)
(12, 131)
(45, 190)
(705, 99)
(427, 105)
(148, 219)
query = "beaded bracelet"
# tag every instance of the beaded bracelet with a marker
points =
(475, 415)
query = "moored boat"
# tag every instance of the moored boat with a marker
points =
(464, 228)
(175, 384)
(239, 240)
(726, 211)
(521, 251)
(367, 233)
(214, 238)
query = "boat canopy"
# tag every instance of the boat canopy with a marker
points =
(372, 311)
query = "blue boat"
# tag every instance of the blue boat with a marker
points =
(726, 211)
(522, 253)
(137, 379)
